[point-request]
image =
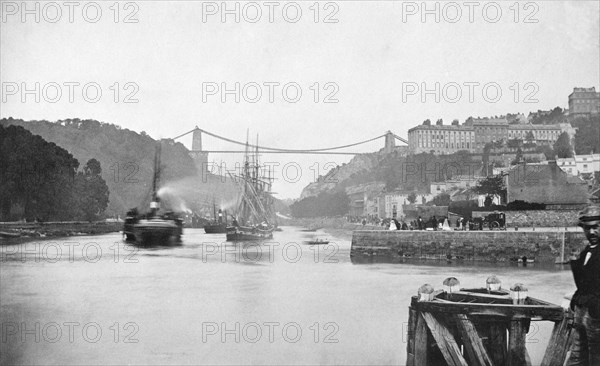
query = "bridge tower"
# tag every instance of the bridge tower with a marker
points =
(200, 157)
(390, 142)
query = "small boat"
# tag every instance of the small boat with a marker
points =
(155, 227)
(317, 242)
(238, 233)
(215, 228)
(311, 228)
(217, 225)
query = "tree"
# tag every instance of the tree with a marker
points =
(514, 143)
(455, 122)
(562, 146)
(442, 199)
(529, 137)
(92, 191)
(518, 157)
(92, 168)
(491, 186)
(427, 122)
(547, 151)
(325, 204)
(557, 115)
(412, 197)
(439, 122)
(36, 175)
(587, 137)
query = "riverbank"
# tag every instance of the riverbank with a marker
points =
(35, 230)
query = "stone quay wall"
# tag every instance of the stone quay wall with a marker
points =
(543, 218)
(483, 246)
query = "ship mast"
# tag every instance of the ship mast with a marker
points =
(156, 178)
(245, 177)
(256, 200)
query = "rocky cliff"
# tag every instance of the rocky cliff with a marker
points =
(336, 177)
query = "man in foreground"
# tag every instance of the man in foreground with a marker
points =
(585, 346)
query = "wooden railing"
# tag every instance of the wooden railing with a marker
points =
(485, 326)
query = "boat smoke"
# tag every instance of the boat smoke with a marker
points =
(191, 194)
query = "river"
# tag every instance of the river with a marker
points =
(96, 300)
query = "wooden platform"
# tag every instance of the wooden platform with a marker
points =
(481, 327)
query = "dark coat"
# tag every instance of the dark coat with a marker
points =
(587, 280)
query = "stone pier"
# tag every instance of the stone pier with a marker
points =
(483, 246)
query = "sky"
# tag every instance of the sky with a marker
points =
(362, 68)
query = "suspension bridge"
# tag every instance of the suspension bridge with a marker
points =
(222, 192)
(197, 150)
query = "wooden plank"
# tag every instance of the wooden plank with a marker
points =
(516, 343)
(497, 343)
(554, 313)
(483, 290)
(445, 341)
(472, 342)
(410, 344)
(421, 354)
(486, 296)
(559, 343)
(482, 298)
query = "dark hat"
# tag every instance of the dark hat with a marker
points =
(589, 216)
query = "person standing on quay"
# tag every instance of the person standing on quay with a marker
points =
(585, 346)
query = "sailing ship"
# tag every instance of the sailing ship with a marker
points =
(157, 226)
(219, 223)
(255, 219)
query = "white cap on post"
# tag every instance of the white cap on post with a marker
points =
(426, 292)
(518, 292)
(451, 284)
(493, 283)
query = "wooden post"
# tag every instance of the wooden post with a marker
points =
(422, 341)
(473, 345)
(562, 248)
(493, 283)
(425, 292)
(451, 284)
(518, 293)
(517, 353)
(560, 341)
(497, 343)
(445, 341)
(411, 332)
